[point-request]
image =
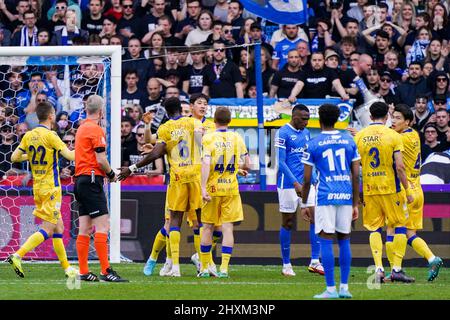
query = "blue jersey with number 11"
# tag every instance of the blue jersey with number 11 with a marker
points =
(332, 155)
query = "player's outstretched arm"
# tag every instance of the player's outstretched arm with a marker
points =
(158, 151)
(68, 154)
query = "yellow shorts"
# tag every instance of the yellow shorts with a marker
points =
(48, 204)
(389, 209)
(184, 197)
(415, 211)
(223, 210)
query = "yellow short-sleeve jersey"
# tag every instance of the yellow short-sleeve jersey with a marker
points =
(208, 125)
(183, 148)
(225, 150)
(411, 156)
(377, 145)
(42, 147)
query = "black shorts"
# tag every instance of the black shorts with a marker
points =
(90, 196)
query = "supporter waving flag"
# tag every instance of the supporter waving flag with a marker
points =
(279, 11)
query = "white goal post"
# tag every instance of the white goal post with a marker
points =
(115, 53)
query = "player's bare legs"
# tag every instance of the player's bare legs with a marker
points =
(176, 218)
(287, 223)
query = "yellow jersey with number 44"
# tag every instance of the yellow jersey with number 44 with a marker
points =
(411, 157)
(377, 145)
(182, 137)
(225, 150)
(42, 147)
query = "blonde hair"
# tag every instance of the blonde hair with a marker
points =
(94, 104)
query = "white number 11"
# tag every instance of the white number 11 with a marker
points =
(329, 155)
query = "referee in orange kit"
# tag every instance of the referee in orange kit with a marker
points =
(91, 167)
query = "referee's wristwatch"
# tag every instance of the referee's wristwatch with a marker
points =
(111, 174)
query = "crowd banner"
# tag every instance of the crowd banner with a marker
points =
(244, 112)
(279, 11)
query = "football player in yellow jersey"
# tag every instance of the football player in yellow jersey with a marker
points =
(383, 199)
(401, 121)
(179, 138)
(42, 147)
(224, 156)
(199, 107)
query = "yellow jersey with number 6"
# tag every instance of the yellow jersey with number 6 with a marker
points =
(42, 147)
(377, 145)
(183, 148)
(225, 150)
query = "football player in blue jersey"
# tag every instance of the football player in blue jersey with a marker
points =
(290, 141)
(336, 159)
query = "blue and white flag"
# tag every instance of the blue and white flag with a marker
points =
(279, 11)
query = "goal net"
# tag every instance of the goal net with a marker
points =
(65, 77)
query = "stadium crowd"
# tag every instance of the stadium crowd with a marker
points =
(179, 47)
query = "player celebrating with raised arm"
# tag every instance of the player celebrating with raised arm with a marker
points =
(179, 138)
(224, 156)
(384, 201)
(401, 121)
(290, 141)
(91, 167)
(43, 146)
(335, 157)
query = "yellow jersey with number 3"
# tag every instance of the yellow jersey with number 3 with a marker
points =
(183, 151)
(225, 150)
(42, 147)
(411, 157)
(377, 145)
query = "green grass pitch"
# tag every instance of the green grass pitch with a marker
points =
(46, 281)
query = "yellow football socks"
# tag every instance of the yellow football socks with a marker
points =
(399, 247)
(390, 250)
(197, 240)
(158, 244)
(226, 256)
(174, 238)
(32, 242)
(60, 250)
(421, 247)
(205, 252)
(376, 245)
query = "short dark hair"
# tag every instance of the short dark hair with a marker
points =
(43, 110)
(128, 119)
(222, 116)
(382, 34)
(383, 5)
(328, 114)
(172, 106)
(379, 110)
(241, 7)
(422, 96)
(131, 71)
(300, 107)
(416, 63)
(351, 20)
(111, 18)
(405, 110)
(197, 96)
(30, 12)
